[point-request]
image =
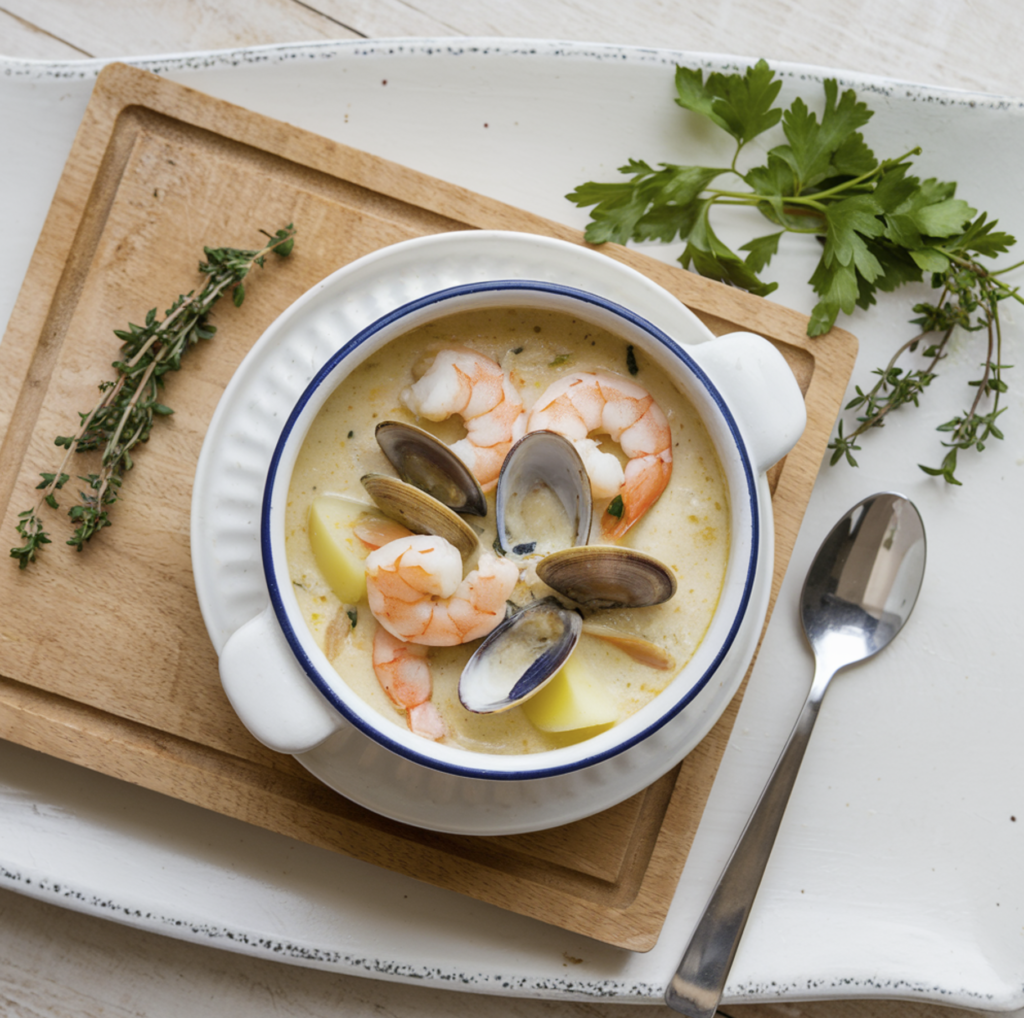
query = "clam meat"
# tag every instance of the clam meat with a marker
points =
(543, 489)
(641, 650)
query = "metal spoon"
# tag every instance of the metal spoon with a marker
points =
(859, 592)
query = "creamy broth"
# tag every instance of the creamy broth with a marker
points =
(687, 528)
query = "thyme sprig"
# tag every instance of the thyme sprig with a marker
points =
(968, 300)
(880, 227)
(129, 405)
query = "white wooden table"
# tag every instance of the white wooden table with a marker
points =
(58, 963)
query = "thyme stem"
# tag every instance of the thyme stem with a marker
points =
(125, 412)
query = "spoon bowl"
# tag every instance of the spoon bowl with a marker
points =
(858, 594)
(863, 582)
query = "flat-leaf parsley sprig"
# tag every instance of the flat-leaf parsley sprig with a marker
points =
(879, 225)
(129, 404)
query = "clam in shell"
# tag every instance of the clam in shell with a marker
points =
(607, 576)
(420, 512)
(543, 499)
(427, 463)
(519, 657)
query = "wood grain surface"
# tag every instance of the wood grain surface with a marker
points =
(155, 168)
(57, 963)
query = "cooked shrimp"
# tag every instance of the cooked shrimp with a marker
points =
(464, 382)
(586, 402)
(416, 591)
(404, 674)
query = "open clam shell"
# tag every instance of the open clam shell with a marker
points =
(519, 657)
(542, 471)
(420, 512)
(607, 576)
(427, 463)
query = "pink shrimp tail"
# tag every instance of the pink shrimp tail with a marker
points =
(425, 720)
(402, 669)
(404, 674)
(646, 479)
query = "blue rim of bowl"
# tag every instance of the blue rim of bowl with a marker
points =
(388, 319)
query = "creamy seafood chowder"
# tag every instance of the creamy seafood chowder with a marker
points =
(593, 497)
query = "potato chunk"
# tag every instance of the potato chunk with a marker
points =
(572, 700)
(336, 549)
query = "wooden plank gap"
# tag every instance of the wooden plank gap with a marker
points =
(25, 23)
(327, 17)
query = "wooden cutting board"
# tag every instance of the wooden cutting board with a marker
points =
(104, 660)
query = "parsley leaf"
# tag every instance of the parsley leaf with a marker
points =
(813, 147)
(762, 250)
(654, 205)
(740, 105)
(710, 257)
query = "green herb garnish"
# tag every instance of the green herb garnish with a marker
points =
(128, 406)
(880, 228)
(616, 507)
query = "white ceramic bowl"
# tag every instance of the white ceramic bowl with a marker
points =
(288, 695)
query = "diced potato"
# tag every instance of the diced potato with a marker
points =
(336, 548)
(573, 699)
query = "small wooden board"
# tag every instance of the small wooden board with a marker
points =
(104, 660)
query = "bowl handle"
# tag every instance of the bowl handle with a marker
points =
(760, 390)
(269, 692)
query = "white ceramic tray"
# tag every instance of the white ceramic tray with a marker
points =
(897, 872)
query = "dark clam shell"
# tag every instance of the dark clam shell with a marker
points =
(607, 576)
(519, 657)
(426, 462)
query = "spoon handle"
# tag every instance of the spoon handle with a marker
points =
(696, 988)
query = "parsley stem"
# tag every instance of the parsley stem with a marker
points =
(1007, 268)
(864, 178)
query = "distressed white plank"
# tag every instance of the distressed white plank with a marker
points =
(393, 19)
(939, 44)
(58, 963)
(55, 963)
(934, 44)
(21, 38)
(113, 28)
